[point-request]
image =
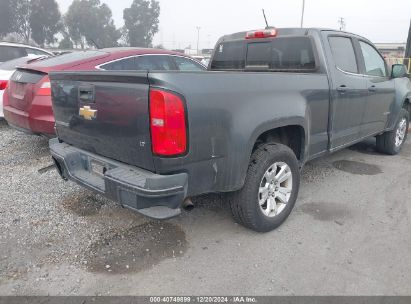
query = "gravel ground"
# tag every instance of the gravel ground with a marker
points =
(349, 234)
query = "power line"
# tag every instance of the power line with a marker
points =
(342, 23)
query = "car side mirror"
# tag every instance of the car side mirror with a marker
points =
(399, 71)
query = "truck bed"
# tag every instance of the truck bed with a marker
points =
(226, 112)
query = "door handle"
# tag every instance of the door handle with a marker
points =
(342, 89)
(372, 88)
(86, 93)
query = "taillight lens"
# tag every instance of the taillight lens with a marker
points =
(167, 123)
(267, 33)
(45, 88)
(3, 84)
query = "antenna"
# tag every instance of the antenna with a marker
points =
(265, 18)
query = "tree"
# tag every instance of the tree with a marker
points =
(21, 19)
(44, 21)
(141, 22)
(6, 17)
(65, 43)
(89, 22)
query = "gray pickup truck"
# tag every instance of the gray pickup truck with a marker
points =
(270, 101)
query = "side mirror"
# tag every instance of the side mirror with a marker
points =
(399, 71)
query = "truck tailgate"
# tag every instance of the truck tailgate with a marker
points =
(104, 113)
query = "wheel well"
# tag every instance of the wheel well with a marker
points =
(291, 136)
(407, 105)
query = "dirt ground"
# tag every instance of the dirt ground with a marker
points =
(349, 234)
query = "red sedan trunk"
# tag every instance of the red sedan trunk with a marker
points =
(27, 103)
(27, 99)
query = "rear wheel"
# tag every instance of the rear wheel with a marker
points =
(270, 189)
(391, 142)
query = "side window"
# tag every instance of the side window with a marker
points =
(185, 64)
(374, 63)
(10, 52)
(343, 53)
(126, 64)
(153, 62)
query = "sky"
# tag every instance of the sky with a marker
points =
(380, 21)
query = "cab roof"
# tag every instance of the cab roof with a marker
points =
(296, 31)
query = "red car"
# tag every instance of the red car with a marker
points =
(27, 100)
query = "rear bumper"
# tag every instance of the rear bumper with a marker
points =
(21, 120)
(153, 195)
(38, 119)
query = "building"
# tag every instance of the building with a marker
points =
(392, 50)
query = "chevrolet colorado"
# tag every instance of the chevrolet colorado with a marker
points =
(270, 101)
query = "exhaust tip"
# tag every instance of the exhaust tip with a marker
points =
(188, 204)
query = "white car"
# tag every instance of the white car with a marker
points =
(7, 69)
(10, 51)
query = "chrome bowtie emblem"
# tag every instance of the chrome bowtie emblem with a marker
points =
(87, 113)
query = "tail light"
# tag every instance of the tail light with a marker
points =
(167, 123)
(45, 88)
(3, 84)
(261, 34)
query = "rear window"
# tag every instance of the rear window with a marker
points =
(70, 57)
(10, 52)
(279, 54)
(259, 55)
(229, 56)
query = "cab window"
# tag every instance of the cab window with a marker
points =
(343, 54)
(374, 63)
(258, 55)
(229, 56)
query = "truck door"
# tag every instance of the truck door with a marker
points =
(348, 91)
(381, 90)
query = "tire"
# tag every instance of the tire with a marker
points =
(391, 142)
(245, 203)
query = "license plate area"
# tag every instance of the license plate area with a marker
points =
(98, 168)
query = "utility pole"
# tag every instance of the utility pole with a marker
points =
(342, 24)
(198, 39)
(302, 14)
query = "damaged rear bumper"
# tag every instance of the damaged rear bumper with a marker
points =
(153, 195)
